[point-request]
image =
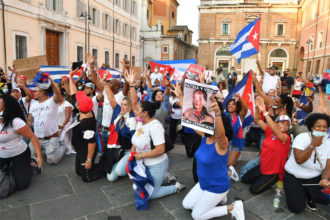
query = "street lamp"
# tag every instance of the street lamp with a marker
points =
(88, 20)
(308, 43)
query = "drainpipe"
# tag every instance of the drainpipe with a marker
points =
(113, 34)
(4, 34)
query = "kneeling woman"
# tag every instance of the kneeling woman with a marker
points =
(274, 151)
(309, 163)
(212, 171)
(14, 153)
(124, 123)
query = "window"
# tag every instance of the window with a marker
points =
(125, 30)
(225, 29)
(80, 53)
(126, 5)
(79, 7)
(308, 66)
(280, 29)
(133, 61)
(126, 57)
(134, 9)
(165, 49)
(94, 53)
(117, 2)
(95, 15)
(21, 46)
(117, 60)
(173, 15)
(117, 27)
(106, 21)
(107, 58)
(320, 39)
(133, 33)
(55, 5)
(311, 42)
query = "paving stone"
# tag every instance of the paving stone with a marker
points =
(16, 213)
(72, 206)
(179, 162)
(81, 186)
(120, 192)
(262, 206)
(305, 215)
(99, 216)
(155, 211)
(3, 205)
(323, 210)
(41, 190)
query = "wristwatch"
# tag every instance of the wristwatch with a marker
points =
(89, 160)
(140, 155)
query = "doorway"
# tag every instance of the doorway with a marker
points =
(279, 66)
(52, 47)
(224, 65)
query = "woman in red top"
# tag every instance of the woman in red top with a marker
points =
(274, 151)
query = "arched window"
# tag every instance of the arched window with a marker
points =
(223, 52)
(278, 53)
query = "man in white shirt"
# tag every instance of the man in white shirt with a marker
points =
(43, 115)
(156, 77)
(270, 79)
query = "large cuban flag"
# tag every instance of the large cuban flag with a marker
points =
(247, 41)
(180, 66)
(245, 89)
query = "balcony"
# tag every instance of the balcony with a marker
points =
(247, 2)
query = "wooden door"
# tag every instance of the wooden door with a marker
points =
(52, 48)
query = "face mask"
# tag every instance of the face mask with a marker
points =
(319, 133)
(5, 90)
(156, 70)
(80, 88)
(1, 114)
(139, 119)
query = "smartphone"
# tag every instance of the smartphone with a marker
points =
(168, 76)
(76, 65)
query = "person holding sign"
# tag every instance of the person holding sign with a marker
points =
(212, 171)
(43, 115)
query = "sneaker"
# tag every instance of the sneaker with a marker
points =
(234, 174)
(170, 178)
(311, 205)
(179, 186)
(238, 210)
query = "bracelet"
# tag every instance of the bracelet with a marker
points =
(140, 155)
(218, 115)
(89, 160)
(265, 114)
(311, 146)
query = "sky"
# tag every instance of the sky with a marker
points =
(188, 15)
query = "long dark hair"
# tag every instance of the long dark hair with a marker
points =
(11, 110)
(287, 101)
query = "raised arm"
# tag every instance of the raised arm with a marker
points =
(98, 84)
(129, 77)
(244, 106)
(259, 67)
(257, 118)
(219, 131)
(72, 85)
(110, 96)
(21, 84)
(57, 92)
(266, 98)
(261, 106)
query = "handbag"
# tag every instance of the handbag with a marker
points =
(7, 182)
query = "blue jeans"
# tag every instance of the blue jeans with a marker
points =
(119, 168)
(158, 172)
(105, 136)
(248, 166)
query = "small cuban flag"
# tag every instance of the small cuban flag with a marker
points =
(247, 41)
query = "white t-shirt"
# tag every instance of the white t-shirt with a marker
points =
(223, 94)
(270, 82)
(45, 116)
(107, 109)
(177, 111)
(308, 169)
(12, 80)
(61, 113)
(142, 137)
(95, 106)
(11, 143)
(155, 76)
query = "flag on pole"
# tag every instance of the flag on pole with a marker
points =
(245, 89)
(247, 41)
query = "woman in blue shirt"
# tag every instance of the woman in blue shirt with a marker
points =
(212, 171)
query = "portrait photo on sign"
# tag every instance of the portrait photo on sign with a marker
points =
(196, 103)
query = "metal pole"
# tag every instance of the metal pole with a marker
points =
(85, 35)
(113, 34)
(89, 31)
(4, 34)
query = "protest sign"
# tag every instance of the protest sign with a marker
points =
(193, 72)
(196, 103)
(29, 66)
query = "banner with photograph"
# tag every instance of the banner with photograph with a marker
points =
(196, 103)
(193, 72)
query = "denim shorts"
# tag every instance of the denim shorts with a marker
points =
(234, 148)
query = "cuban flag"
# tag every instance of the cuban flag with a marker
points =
(180, 66)
(143, 184)
(112, 73)
(247, 41)
(245, 89)
(307, 91)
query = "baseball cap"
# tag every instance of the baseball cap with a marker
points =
(90, 85)
(18, 89)
(284, 118)
(273, 67)
(85, 103)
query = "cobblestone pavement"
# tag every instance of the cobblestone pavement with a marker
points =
(58, 193)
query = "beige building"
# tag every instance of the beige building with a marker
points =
(56, 28)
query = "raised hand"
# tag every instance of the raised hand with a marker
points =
(90, 59)
(177, 90)
(130, 76)
(214, 106)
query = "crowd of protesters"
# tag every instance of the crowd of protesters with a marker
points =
(138, 115)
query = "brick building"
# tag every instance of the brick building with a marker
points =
(162, 38)
(314, 45)
(221, 21)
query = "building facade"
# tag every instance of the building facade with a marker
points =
(161, 37)
(221, 21)
(314, 45)
(65, 30)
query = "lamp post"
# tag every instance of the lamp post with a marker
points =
(84, 15)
